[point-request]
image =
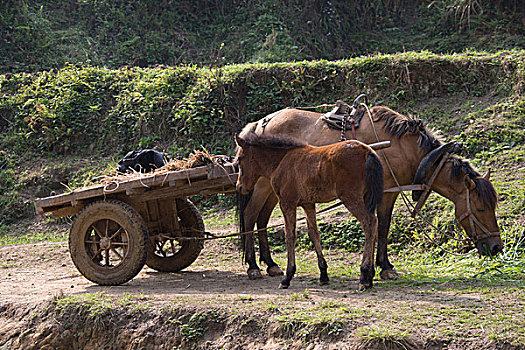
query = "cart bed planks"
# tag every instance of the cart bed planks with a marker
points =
(205, 180)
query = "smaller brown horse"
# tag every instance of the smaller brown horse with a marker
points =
(302, 175)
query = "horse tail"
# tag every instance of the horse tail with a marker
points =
(242, 203)
(374, 182)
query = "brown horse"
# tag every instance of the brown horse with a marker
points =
(302, 175)
(414, 149)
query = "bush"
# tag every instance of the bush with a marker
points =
(97, 110)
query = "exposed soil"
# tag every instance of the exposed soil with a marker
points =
(211, 306)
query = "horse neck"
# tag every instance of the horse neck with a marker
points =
(269, 159)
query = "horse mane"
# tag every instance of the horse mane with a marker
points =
(398, 125)
(272, 141)
(484, 188)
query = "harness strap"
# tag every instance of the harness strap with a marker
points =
(426, 193)
(412, 187)
(353, 122)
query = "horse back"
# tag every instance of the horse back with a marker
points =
(316, 174)
(296, 123)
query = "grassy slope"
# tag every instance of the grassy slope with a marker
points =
(40, 35)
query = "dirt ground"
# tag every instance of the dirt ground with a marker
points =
(32, 276)
(36, 272)
(213, 305)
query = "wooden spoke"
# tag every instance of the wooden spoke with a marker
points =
(107, 226)
(97, 232)
(116, 233)
(107, 256)
(92, 242)
(119, 244)
(97, 254)
(117, 253)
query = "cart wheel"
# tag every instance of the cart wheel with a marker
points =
(169, 255)
(108, 242)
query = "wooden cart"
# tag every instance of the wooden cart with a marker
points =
(123, 224)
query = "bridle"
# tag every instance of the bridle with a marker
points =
(473, 220)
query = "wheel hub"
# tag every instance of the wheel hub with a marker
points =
(105, 243)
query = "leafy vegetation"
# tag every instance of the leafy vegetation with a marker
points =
(94, 305)
(90, 110)
(41, 35)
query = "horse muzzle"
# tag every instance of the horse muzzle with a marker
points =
(240, 189)
(489, 247)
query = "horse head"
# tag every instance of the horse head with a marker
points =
(475, 212)
(249, 171)
(475, 198)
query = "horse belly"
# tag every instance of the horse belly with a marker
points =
(317, 188)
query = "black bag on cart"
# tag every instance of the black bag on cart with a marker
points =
(143, 161)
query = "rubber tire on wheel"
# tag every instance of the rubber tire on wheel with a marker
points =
(137, 241)
(189, 218)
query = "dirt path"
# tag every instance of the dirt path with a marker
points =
(213, 305)
(32, 273)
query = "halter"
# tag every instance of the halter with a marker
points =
(473, 220)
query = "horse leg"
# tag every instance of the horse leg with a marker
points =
(262, 223)
(289, 213)
(384, 216)
(313, 233)
(369, 224)
(251, 212)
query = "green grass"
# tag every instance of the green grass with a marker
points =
(94, 304)
(445, 296)
(8, 237)
(380, 335)
(214, 219)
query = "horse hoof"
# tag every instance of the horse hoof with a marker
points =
(324, 283)
(254, 274)
(363, 287)
(389, 275)
(274, 271)
(283, 286)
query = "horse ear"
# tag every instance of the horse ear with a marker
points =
(487, 175)
(240, 142)
(469, 183)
